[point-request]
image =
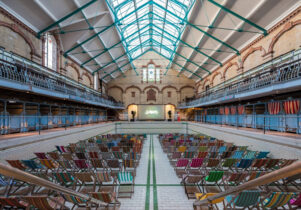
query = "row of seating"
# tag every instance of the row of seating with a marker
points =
(103, 167)
(207, 166)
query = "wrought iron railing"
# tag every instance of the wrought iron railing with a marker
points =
(284, 72)
(20, 70)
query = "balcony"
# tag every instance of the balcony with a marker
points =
(283, 75)
(20, 74)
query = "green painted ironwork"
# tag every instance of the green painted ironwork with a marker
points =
(65, 17)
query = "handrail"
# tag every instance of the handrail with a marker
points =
(284, 172)
(9, 171)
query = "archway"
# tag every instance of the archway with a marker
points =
(132, 112)
(170, 112)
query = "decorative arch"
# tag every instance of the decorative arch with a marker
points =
(151, 86)
(229, 66)
(73, 65)
(17, 30)
(286, 28)
(186, 86)
(116, 86)
(251, 51)
(169, 86)
(204, 83)
(215, 75)
(89, 77)
(133, 86)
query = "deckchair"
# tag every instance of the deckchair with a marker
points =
(191, 185)
(65, 179)
(93, 154)
(235, 178)
(250, 155)
(118, 155)
(213, 154)
(61, 149)
(104, 178)
(81, 155)
(11, 202)
(49, 164)
(202, 154)
(212, 177)
(75, 201)
(5, 184)
(222, 149)
(226, 154)
(244, 164)
(67, 156)
(256, 174)
(126, 184)
(212, 163)
(133, 155)
(277, 199)
(203, 196)
(54, 155)
(195, 166)
(181, 166)
(16, 164)
(259, 163)
(115, 149)
(238, 154)
(262, 154)
(82, 164)
(188, 154)
(174, 158)
(130, 166)
(286, 162)
(97, 164)
(203, 149)
(182, 149)
(296, 201)
(41, 155)
(65, 164)
(271, 164)
(103, 148)
(41, 202)
(85, 178)
(31, 164)
(108, 197)
(245, 199)
(106, 155)
(114, 166)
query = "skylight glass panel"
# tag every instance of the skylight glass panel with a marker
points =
(150, 24)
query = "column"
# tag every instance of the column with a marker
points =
(96, 81)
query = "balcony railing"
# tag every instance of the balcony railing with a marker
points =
(16, 69)
(284, 72)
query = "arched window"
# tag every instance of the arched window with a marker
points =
(50, 50)
(151, 73)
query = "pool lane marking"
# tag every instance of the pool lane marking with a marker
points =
(147, 196)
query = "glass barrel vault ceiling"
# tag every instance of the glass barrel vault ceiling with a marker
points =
(150, 24)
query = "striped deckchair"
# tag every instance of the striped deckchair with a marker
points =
(271, 164)
(76, 201)
(40, 202)
(174, 158)
(64, 178)
(82, 164)
(97, 164)
(222, 149)
(130, 166)
(244, 163)
(54, 155)
(182, 149)
(126, 182)
(236, 178)
(259, 163)
(226, 154)
(41, 155)
(242, 148)
(238, 154)
(61, 149)
(16, 164)
(93, 155)
(65, 164)
(115, 149)
(188, 154)
(296, 202)
(248, 198)
(118, 155)
(107, 197)
(262, 154)
(103, 177)
(133, 155)
(195, 166)
(286, 162)
(67, 156)
(31, 164)
(277, 199)
(106, 155)
(213, 154)
(212, 163)
(103, 148)
(203, 196)
(250, 155)
(50, 164)
(114, 165)
(180, 167)
(11, 202)
(212, 177)
(203, 149)
(85, 178)
(202, 154)
(256, 174)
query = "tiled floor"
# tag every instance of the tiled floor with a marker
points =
(168, 197)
